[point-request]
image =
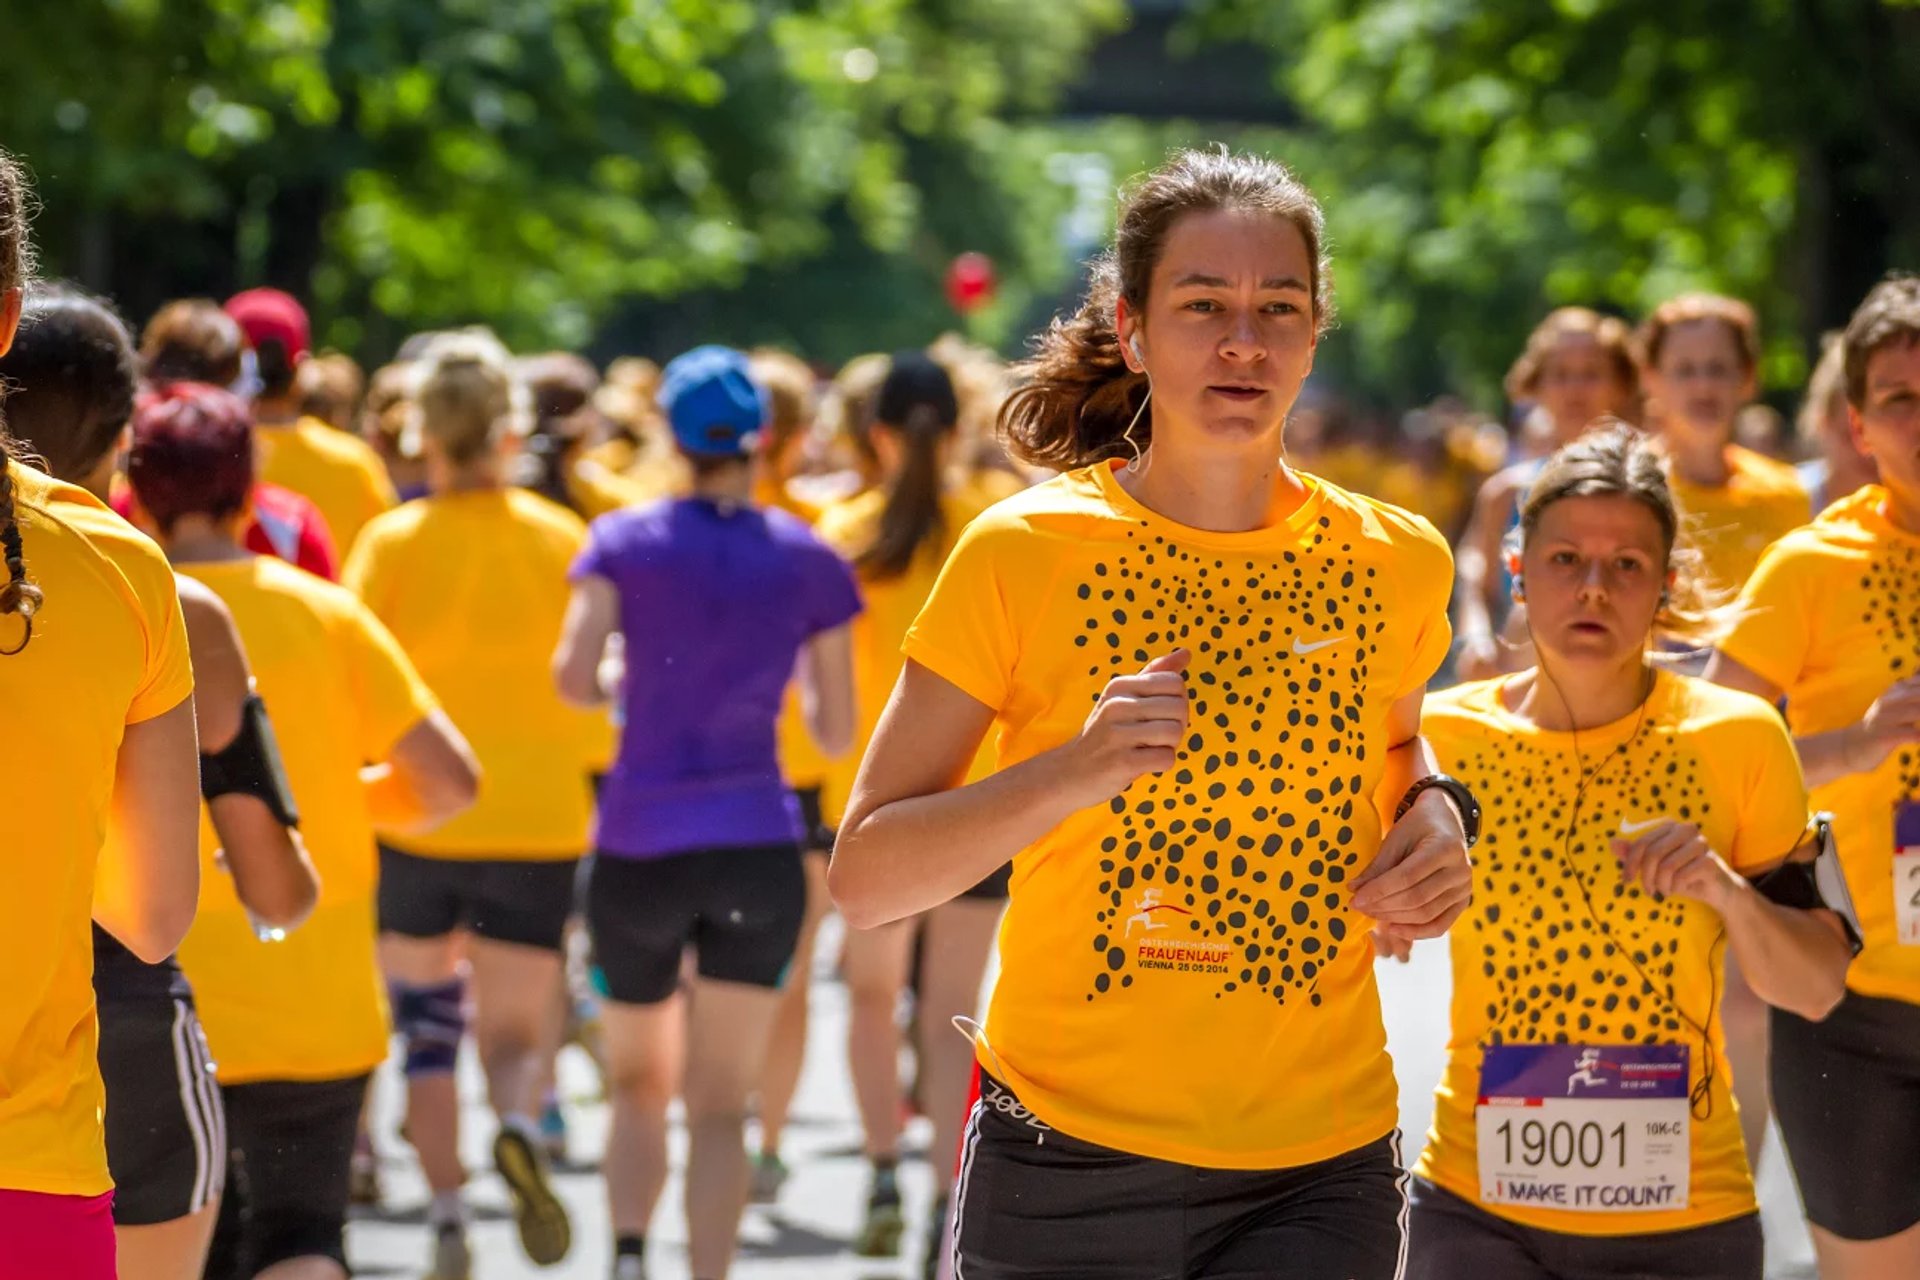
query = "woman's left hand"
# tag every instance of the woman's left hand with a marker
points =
(1674, 858)
(1421, 880)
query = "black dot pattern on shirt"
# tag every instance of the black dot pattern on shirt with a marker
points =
(1558, 976)
(1892, 587)
(1275, 729)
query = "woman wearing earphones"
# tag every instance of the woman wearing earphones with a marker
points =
(1584, 1125)
(1203, 672)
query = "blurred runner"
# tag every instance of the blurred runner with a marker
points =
(897, 536)
(296, 1022)
(339, 474)
(1584, 1125)
(698, 836)
(1199, 681)
(1838, 468)
(101, 702)
(1831, 621)
(70, 385)
(1577, 366)
(497, 882)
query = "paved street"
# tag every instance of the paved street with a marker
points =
(820, 1210)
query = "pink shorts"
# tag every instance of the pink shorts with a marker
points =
(46, 1236)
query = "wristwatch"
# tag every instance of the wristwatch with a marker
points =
(1457, 792)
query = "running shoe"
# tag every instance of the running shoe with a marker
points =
(452, 1255)
(363, 1179)
(553, 1132)
(769, 1175)
(885, 1222)
(545, 1232)
(629, 1268)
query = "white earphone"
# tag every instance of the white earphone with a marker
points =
(1139, 456)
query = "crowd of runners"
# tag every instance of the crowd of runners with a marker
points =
(491, 702)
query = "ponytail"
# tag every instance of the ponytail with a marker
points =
(912, 515)
(17, 595)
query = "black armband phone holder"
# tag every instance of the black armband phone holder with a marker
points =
(1814, 885)
(250, 765)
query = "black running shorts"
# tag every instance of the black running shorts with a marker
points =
(522, 902)
(1847, 1094)
(1032, 1201)
(739, 909)
(1455, 1239)
(291, 1150)
(166, 1129)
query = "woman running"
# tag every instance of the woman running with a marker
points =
(698, 836)
(1838, 467)
(103, 699)
(1584, 1126)
(1577, 366)
(897, 536)
(1202, 669)
(70, 384)
(1829, 620)
(295, 1024)
(500, 877)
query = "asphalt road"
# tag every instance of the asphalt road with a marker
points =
(819, 1212)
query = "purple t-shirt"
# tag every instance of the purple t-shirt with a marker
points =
(715, 606)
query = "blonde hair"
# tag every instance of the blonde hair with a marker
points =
(790, 387)
(1827, 383)
(330, 387)
(468, 398)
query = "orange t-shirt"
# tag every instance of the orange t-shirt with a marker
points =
(1181, 975)
(1731, 525)
(109, 649)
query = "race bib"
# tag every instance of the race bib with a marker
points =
(1906, 873)
(1588, 1128)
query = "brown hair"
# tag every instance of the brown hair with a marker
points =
(1610, 332)
(469, 397)
(329, 387)
(1890, 313)
(849, 407)
(1079, 394)
(1690, 307)
(1614, 459)
(192, 340)
(790, 391)
(18, 595)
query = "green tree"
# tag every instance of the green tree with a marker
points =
(1485, 160)
(526, 163)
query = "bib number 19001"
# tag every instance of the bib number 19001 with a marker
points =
(1587, 1128)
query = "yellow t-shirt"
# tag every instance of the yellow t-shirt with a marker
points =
(1832, 617)
(474, 587)
(891, 606)
(109, 649)
(337, 472)
(341, 693)
(1181, 977)
(1534, 963)
(1731, 525)
(802, 763)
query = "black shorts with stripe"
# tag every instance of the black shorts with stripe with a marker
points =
(166, 1129)
(1033, 1201)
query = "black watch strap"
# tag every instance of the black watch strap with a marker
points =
(1457, 791)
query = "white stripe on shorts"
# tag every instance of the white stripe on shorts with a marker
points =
(970, 1141)
(188, 1070)
(1406, 1208)
(216, 1109)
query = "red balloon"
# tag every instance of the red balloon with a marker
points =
(971, 282)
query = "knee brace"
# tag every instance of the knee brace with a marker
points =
(433, 1019)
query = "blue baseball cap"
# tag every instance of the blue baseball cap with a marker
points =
(714, 405)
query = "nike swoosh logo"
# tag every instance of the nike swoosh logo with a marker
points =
(1635, 828)
(1302, 650)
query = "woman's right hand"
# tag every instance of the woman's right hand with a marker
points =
(1137, 727)
(1892, 722)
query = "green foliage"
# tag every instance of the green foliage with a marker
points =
(1485, 160)
(527, 163)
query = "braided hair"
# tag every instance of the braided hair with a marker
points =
(18, 595)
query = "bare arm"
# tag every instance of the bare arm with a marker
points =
(1892, 722)
(593, 614)
(914, 838)
(156, 821)
(1421, 880)
(1477, 579)
(1794, 960)
(271, 872)
(826, 690)
(428, 777)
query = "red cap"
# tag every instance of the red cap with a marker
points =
(270, 314)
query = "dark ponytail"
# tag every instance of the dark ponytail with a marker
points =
(17, 595)
(917, 401)
(1078, 394)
